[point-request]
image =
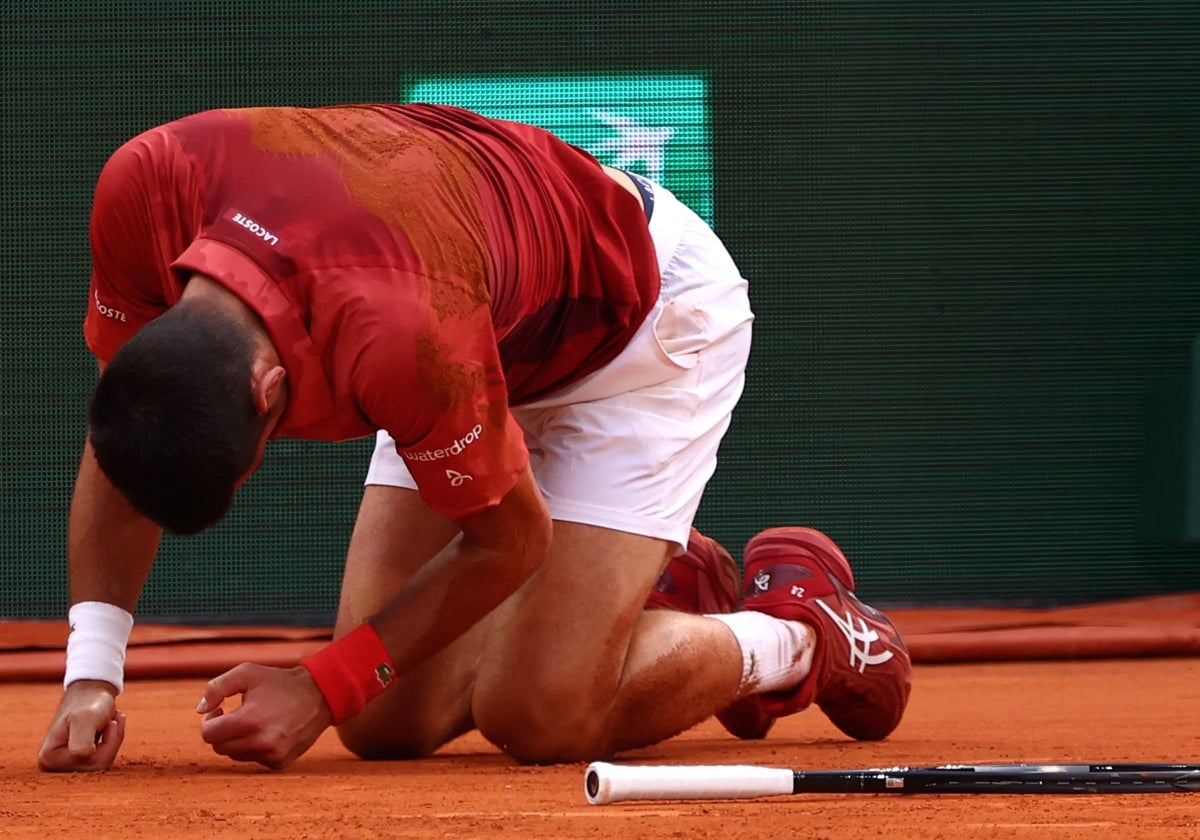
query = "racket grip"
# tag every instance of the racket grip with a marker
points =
(605, 783)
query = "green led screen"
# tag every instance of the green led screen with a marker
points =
(656, 126)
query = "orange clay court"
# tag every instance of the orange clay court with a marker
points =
(1116, 682)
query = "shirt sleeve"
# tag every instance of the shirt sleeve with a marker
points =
(132, 235)
(443, 398)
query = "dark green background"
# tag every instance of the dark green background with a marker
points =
(970, 229)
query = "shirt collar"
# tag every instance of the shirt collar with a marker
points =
(310, 410)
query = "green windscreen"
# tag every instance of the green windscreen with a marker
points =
(970, 229)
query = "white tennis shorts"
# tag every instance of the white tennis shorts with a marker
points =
(631, 446)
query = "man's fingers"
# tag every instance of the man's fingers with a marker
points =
(233, 681)
(229, 726)
(82, 734)
(53, 756)
(281, 714)
(109, 743)
(241, 735)
(86, 732)
(249, 749)
(89, 749)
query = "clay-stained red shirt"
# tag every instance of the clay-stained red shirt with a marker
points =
(419, 268)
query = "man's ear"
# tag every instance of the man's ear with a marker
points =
(266, 386)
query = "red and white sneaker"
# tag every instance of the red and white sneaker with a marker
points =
(703, 580)
(861, 672)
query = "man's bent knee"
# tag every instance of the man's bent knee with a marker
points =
(391, 731)
(372, 740)
(541, 727)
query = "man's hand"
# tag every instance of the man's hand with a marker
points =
(86, 732)
(281, 716)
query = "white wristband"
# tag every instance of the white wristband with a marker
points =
(96, 646)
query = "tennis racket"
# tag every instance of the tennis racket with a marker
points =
(605, 783)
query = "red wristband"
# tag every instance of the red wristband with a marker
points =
(351, 671)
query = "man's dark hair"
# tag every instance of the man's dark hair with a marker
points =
(172, 419)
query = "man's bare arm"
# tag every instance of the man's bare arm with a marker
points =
(283, 712)
(497, 551)
(110, 546)
(110, 549)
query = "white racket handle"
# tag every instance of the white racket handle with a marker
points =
(604, 783)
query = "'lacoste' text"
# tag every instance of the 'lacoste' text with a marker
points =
(108, 311)
(255, 228)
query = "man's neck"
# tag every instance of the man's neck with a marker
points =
(203, 290)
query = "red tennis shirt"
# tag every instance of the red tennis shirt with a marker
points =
(419, 268)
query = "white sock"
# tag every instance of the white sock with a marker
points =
(776, 653)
